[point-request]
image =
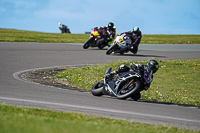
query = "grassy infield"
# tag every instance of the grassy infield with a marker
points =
(176, 82)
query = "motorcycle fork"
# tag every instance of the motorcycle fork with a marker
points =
(129, 83)
(94, 42)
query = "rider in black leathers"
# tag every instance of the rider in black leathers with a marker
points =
(146, 70)
(63, 28)
(135, 36)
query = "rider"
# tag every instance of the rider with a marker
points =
(146, 70)
(63, 28)
(136, 36)
(110, 29)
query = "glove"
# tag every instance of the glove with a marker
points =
(133, 66)
(107, 75)
(110, 75)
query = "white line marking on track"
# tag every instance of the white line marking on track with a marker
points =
(99, 109)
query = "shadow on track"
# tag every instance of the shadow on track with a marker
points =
(128, 54)
(95, 48)
(138, 55)
(152, 102)
(166, 103)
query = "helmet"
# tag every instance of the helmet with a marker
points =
(110, 25)
(135, 30)
(152, 65)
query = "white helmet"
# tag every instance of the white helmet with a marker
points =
(135, 30)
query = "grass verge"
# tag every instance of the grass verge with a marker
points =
(11, 35)
(27, 120)
(176, 81)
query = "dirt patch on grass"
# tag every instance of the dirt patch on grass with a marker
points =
(44, 77)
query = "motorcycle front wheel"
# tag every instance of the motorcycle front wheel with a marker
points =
(111, 49)
(98, 88)
(88, 43)
(136, 97)
(101, 43)
(129, 89)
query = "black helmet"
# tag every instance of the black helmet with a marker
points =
(152, 65)
(135, 30)
(110, 25)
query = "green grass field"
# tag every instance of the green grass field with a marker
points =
(175, 82)
(26, 120)
(11, 35)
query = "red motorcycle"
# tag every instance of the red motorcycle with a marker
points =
(97, 38)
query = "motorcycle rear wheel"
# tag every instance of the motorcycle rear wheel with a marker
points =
(88, 43)
(126, 92)
(97, 89)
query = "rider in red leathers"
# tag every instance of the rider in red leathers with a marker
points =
(108, 32)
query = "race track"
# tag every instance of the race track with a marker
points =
(18, 57)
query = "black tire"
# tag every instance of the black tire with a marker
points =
(87, 44)
(101, 43)
(97, 90)
(111, 49)
(131, 91)
(136, 97)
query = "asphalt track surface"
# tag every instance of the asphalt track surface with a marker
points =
(18, 57)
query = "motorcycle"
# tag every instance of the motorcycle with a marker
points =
(120, 45)
(97, 39)
(122, 86)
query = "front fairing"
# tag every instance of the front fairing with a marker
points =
(117, 82)
(120, 42)
(122, 45)
(123, 41)
(95, 34)
(126, 76)
(110, 88)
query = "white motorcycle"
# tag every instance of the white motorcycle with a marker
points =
(121, 44)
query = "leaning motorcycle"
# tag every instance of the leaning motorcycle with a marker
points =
(97, 39)
(120, 45)
(122, 86)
